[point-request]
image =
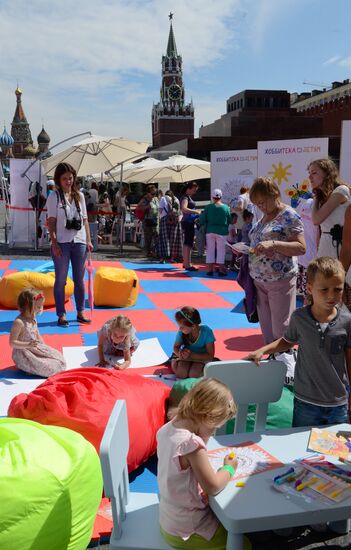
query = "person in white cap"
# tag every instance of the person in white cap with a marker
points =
(216, 218)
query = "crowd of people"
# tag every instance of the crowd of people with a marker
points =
(282, 244)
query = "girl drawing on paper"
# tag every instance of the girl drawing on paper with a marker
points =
(117, 337)
(185, 476)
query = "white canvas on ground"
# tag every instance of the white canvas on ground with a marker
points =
(10, 387)
(286, 162)
(231, 170)
(149, 354)
(345, 151)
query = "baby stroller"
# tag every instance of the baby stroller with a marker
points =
(106, 225)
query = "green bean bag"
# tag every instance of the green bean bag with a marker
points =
(50, 487)
(180, 388)
(279, 413)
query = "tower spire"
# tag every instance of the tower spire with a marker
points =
(172, 118)
(19, 127)
(171, 46)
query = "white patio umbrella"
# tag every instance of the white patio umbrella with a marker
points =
(177, 169)
(96, 154)
(138, 167)
(128, 169)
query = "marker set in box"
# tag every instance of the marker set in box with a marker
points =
(318, 480)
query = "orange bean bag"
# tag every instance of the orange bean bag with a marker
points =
(115, 287)
(83, 399)
(11, 286)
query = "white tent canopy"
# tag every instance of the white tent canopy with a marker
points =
(177, 168)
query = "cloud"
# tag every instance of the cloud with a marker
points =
(346, 62)
(88, 63)
(263, 17)
(332, 60)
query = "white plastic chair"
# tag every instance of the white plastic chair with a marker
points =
(250, 384)
(135, 515)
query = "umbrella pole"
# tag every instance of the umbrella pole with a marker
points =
(121, 227)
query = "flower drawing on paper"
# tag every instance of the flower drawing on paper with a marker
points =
(297, 192)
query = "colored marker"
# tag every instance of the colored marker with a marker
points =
(310, 458)
(322, 486)
(338, 492)
(240, 484)
(307, 483)
(301, 477)
(284, 477)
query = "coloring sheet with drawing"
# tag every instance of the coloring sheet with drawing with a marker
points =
(252, 459)
(330, 443)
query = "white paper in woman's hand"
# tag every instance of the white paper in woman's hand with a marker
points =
(240, 248)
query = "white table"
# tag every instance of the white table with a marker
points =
(260, 507)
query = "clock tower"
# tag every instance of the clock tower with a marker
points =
(172, 118)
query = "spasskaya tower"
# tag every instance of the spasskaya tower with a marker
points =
(172, 118)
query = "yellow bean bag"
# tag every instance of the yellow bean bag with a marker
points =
(114, 287)
(11, 286)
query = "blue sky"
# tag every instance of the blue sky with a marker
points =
(86, 65)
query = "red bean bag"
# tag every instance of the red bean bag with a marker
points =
(83, 399)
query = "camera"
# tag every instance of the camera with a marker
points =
(74, 224)
(336, 233)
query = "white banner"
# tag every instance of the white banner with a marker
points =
(231, 170)
(286, 162)
(22, 229)
(345, 151)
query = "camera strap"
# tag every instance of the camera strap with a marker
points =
(60, 195)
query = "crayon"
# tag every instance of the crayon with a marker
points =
(240, 484)
(232, 455)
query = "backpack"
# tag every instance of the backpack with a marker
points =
(139, 213)
(172, 213)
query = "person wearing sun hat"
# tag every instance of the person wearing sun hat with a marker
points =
(216, 218)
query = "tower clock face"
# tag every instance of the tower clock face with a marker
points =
(174, 92)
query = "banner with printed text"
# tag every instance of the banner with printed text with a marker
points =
(22, 188)
(231, 170)
(345, 151)
(286, 162)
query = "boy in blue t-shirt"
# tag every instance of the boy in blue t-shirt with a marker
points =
(194, 344)
(323, 332)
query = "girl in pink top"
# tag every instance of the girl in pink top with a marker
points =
(185, 476)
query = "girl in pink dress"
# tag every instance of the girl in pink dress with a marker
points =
(30, 354)
(185, 476)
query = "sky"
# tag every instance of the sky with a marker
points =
(94, 66)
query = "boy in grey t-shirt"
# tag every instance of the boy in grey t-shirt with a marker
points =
(323, 332)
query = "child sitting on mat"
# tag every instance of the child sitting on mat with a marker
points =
(117, 337)
(184, 474)
(194, 344)
(30, 354)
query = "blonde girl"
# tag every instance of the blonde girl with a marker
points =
(30, 353)
(194, 345)
(185, 475)
(117, 337)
